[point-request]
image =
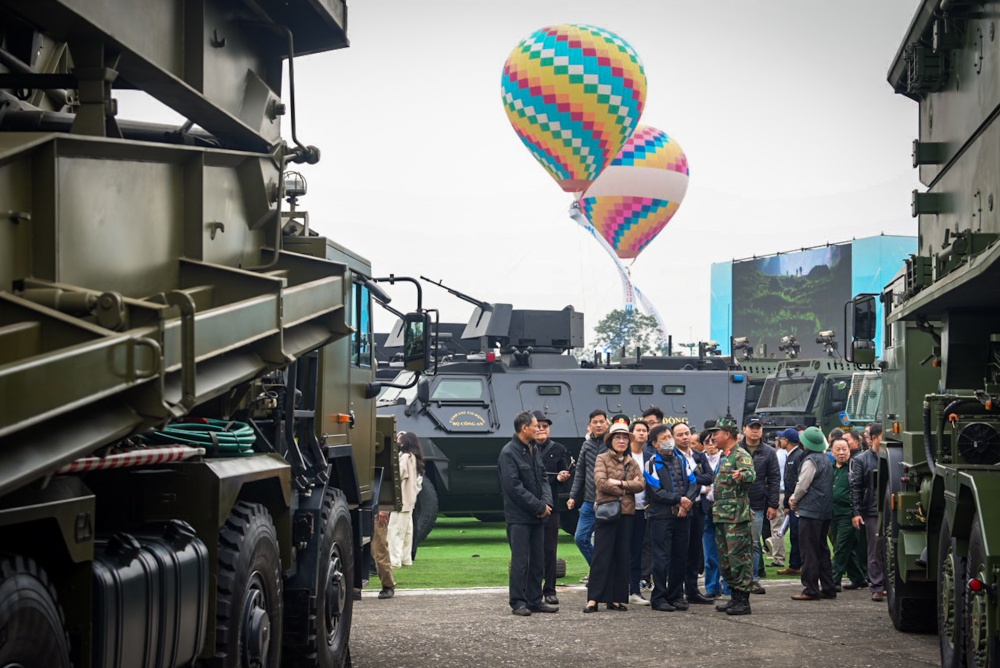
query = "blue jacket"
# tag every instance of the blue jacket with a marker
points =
(675, 482)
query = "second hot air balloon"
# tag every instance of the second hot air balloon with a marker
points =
(639, 192)
(574, 94)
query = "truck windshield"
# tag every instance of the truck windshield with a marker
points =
(785, 394)
(865, 396)
(391, 395)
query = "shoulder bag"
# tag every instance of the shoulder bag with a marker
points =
(610, 511)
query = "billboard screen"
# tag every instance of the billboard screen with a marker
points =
(800, 294)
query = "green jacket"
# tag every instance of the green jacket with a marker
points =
(732, 498)
(842, 491)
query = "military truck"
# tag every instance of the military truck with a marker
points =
(463, 412)
(939, 480)
(189, 451)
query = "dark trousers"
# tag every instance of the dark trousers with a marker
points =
(635, 551)
(695, 552)
(527, 564)
(608, 581)
(794, 554)
(670, 543)
(817, 571)
(845, 551)
(550, 544)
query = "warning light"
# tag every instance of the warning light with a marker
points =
(976, 585)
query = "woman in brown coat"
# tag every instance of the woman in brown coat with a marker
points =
(616, 478)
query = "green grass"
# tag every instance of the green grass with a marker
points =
(464, 552)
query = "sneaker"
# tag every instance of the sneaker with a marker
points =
(637, 599)
(387, 593)
(855, 585)
(585, 579)
(645, 584)
(878, 596)
(767, 546)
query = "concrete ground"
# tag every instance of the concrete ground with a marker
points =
(442, 628)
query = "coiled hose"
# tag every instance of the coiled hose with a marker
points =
(220, 438)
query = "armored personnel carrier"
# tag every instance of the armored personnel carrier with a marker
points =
(939, 474)
(463, 412)
(189, 451)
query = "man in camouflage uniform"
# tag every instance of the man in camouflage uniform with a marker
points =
(732, 516)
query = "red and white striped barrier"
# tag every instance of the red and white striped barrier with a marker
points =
(141, 457)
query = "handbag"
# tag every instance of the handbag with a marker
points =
(609, 512)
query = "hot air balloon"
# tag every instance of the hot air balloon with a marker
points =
(574, 94)
(638, 193)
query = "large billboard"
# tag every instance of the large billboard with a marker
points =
(799, 294)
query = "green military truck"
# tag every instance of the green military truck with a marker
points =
(189, 451)
(939, 477)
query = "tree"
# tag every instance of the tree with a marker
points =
(629, 329)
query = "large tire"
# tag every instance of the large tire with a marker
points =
(425, 512)
(32, 625)
(249, 607)
(560, 568)
(489, 517)
(951, 600)
(329, 622)
(908, 614)
(982, 650)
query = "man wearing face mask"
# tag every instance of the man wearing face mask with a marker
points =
(701, 474)
(669, 498)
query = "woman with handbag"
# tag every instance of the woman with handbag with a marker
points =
(616, 479)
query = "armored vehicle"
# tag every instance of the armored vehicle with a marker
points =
(812, 392)
(463, 413)
(189, 451)
(939, 480)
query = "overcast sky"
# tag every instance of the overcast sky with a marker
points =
(793, 136)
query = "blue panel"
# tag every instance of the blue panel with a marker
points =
(722, 304)
(876, 261)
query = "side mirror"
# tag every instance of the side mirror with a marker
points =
(863, 352)
(861, 320)
(416, 341)
(864, 317)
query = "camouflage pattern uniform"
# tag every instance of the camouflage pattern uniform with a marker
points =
(732, 516)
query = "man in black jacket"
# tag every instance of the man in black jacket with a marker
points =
(864, 505)
(555, 460)
(527, 501)
(699, 469)
(790, 441)
(582, 494)
(765, 491)
(670, 496)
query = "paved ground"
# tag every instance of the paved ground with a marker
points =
(443, 628)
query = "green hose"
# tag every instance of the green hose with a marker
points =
(220, 438)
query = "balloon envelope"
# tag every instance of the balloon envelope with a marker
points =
(639, 192)
(574, 94)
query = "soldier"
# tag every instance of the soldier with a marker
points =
(732, 516)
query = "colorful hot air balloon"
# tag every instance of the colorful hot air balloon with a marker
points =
(639, 192)
(574, 94)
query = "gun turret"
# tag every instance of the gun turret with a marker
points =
(484, 306)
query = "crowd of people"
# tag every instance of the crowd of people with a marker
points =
(660, 505)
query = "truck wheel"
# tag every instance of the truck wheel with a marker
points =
(560, 567)
(950, 600)
(982, 650)
(329, 623)
(908, 614)
(248, 607)
(32, 630)
(568, 520)
(489, 517)
(425, 512)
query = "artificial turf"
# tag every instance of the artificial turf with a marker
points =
(464, 552)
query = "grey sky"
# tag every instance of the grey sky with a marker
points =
(793, 136)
